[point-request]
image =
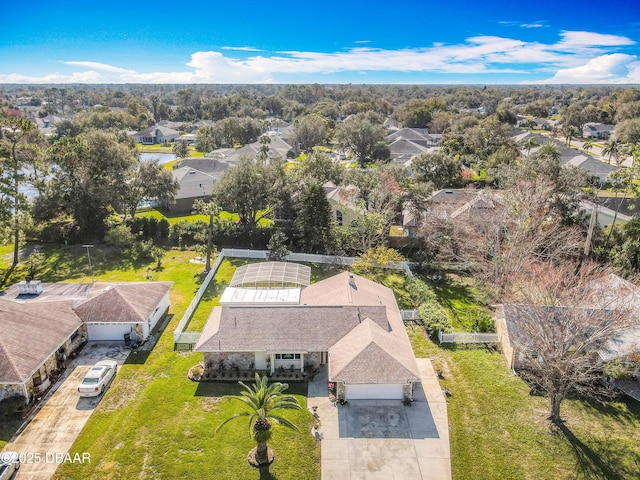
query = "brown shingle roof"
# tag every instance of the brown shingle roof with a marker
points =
(293, 328)
(122, 302)
(31, 332)
(368, 348)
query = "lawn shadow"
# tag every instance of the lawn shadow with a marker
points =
(141, 354)
(615, 410)
(604, 464)
(266, 474)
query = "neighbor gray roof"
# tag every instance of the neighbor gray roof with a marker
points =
(193, 183)
(294, 328)
(210, 166)
(271, 274)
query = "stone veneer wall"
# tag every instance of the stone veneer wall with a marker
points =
(242, 360)
(11, 390)
(407, 392)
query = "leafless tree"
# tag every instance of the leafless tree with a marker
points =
(563, 316)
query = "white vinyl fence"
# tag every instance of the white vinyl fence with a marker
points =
(464, 337)
(188, 339)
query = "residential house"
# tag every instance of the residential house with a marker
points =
(341, 201)
(349, 323)
(405, 143)
(156, 134)
(599, 131)
(451, 204)
(193, 185)
(43, 323)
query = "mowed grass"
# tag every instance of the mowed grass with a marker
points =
(465, 302)
(175, 217)
(499, 431)
(153, 422)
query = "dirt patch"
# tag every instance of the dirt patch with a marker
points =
(124, 390)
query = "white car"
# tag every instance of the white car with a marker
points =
(9, 464)
(97, 380)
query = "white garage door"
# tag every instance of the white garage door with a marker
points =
(108, 331)
(374, 392)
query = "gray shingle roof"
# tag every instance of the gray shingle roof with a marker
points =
(193, 183)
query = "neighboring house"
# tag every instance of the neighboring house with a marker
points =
(600, 131)
(346, 321)
(43, 326)
(614, 290)
(343, 208)
(451, 204)
(597, 169)
(156, 134)
(406, 143)
(192, 185)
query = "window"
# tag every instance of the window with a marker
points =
(339, 218)
(287, 356)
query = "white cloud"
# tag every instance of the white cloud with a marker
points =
(99, 66)
(616, 68)
(243, 49)
(576, 55)
(362, 41)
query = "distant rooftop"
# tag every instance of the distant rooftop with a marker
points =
(272, 274)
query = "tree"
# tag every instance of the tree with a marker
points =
(440, 169)
(310, 131)
(263, 401)
(148, 180)
(368, 230)
(250, 189)
(417, 112)
(17, 148)
(565, 315)
(319, 168)
(374, 261)
(530, 144)
(212, 209)
(314, 222)
(569, 131)
(92, 175)
(628, 131)
(611, 148)
(181, 148)
(359, 135)
(277, 247)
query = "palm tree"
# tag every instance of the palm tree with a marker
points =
(569, 132)
(611, 148)
(587, 145)
(529, 144)
(263, 399)
(549, 150)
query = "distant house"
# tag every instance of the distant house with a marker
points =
(406, 143)
(600, 131)
(42, 323)
(341, 201)
(346, 321)
(193, 185)
(451, 204)
(156, 134)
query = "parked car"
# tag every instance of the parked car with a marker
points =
(97, 380)
(9, 464)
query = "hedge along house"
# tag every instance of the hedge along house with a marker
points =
(351, 324)
(41, 327)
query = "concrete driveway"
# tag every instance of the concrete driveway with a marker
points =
(51, 432)
(383, 439)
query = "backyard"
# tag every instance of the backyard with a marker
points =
(499, 430)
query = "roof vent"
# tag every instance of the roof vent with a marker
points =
(352, 280)
(30, 287)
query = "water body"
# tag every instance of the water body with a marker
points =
(162, 157)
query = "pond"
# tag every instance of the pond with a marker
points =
(163, 157)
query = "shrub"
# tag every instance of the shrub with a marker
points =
(434, 317)
(420, 291)
(120, 237)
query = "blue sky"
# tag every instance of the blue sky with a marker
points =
(400, 41)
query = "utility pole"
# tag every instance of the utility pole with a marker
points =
(89, 257)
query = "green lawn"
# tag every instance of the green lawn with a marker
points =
(175, 217)
(153, 422)
(499, 431)
(466, 304)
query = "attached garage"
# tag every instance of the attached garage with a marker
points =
(368, 391)
(107, 331)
